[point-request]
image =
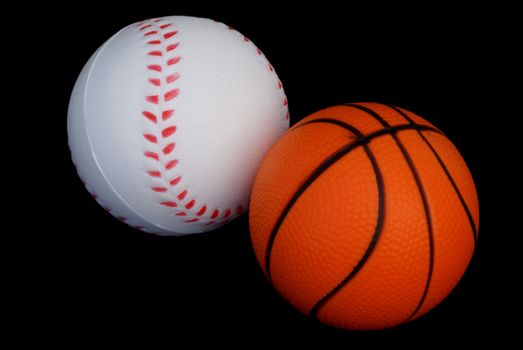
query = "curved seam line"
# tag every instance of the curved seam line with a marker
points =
(421, 190)
(426, 209)
(447, 172)
(187, 205)
(372, 244)
(88, 135)
(337, 122)
(320, 169)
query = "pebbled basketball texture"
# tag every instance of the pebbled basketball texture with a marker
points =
(364, 216)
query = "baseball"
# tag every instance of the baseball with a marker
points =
(169, 121)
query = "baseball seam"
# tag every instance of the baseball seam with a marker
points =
(161, 43)
(270, 68)
(160, 38)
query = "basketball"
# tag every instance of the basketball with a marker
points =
(364, 216)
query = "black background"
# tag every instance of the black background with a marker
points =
(103, 278)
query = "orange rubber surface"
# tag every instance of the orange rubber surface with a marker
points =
(420, 250)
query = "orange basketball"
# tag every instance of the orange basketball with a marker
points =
(364, 216)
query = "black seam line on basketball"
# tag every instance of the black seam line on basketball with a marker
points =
(320, 169)
(337, 122)
(372, 244)
(371, 112)
(423, 195)
(426, 208)
(447, 172)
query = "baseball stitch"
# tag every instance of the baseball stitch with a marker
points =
(151, 28)
(279, 85)
(161, 43)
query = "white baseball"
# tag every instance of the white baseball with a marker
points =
(169, 121)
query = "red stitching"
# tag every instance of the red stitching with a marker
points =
(175, 181)
(167, 114)
(122, 218)
(154, 173)
(171, 164)
(150, 138)
(150, 116)
(168, 131)
(172, 47)
(173, 60)
(152, 155)
(155, 81)
(182, 195)
(152, 99)
(201, 211)
(170, 34)
(159, 189)
(171, 78)
(271, 69)
(169, 95)
(155, 67)
(169, 148)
